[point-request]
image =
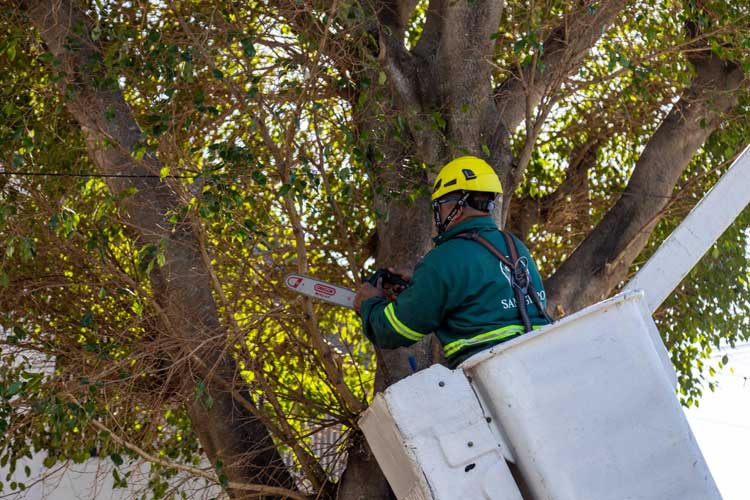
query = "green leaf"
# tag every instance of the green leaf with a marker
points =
(17, 161)
(10, 247)
(187, 72)
(13, 389)
(117, 459)
(28, 250)
(20, 333)
(139, 151)
(119, 481)
(223, 480)
(382, 78)
(87, 318)
(247, 47)
(362, 100)
(137, 307)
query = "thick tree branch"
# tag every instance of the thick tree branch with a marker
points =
(530, 93)
(604, 257)
(564, 51)
(394, 14)
(568, 204)
(402, 70)
(227, 431)
(456, 43)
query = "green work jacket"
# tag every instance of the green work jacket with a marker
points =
(459, 291)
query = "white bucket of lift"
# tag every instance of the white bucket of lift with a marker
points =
(589, 411)
(433, 442)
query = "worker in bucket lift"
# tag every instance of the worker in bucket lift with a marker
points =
(478, 286)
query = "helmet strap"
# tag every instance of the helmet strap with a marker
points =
(443, 225)
(484, 205)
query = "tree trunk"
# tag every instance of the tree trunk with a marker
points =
(228, 431)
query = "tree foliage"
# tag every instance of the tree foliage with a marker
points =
(174, 160)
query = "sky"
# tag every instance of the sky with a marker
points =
(721, 425)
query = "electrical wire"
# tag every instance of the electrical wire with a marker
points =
(127, 176)
(720, 422)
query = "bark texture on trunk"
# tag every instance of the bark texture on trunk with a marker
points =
(228, 431)
(602, 260)
(363, 479)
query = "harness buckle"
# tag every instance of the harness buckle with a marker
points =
(521, 276)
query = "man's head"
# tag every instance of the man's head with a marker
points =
(465, 187)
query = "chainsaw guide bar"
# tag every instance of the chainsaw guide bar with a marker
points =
(320, 290)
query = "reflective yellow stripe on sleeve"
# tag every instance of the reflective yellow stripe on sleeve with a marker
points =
(499, 334)
(400, 328)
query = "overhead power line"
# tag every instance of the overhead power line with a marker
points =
(70, 174)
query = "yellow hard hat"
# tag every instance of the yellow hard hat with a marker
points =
(466, 173)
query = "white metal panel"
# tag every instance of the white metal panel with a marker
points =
(682, 250)
(655, 336)
(395, 457)
(590, 410)
(432, 440)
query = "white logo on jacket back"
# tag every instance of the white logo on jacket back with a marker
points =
(506, 272)
(510, 303)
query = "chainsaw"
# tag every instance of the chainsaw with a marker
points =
(340, 296)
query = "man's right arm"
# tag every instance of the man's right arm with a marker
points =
(416, 312)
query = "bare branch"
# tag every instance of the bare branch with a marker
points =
(260, 489)
(564, 51)
(568, 204)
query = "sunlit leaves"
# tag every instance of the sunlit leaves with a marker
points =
(260, 136)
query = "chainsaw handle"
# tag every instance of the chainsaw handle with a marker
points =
(387, 277)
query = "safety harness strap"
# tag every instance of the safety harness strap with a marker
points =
(520, 279)
(443, 225)
(530, 291)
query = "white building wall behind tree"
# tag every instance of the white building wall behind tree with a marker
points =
(721, 425)
(92, 480)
